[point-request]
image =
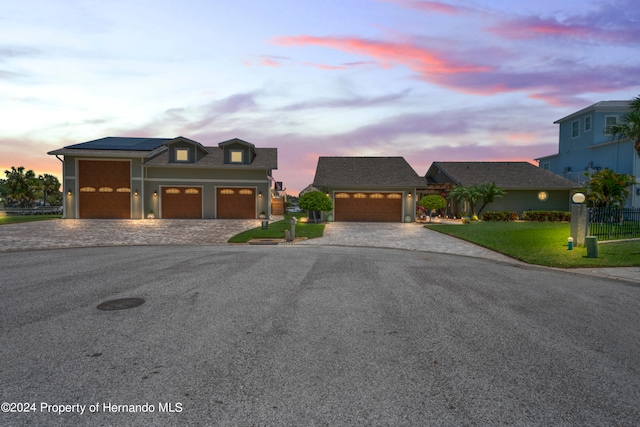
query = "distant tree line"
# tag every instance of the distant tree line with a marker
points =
(23, 188)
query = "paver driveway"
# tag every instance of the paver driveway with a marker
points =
(104, 232)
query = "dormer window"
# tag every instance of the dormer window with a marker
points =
(182, 154)
(236, 156)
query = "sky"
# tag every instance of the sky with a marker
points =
(446, 80)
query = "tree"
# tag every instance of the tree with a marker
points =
(432, 202)
(314, 201)
(468, 194)
(50, 187)
(607, 188)
(488, 192)
(629, 128)
(21, 186)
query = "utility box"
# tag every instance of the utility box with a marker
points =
(591, 242)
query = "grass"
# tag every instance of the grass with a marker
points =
(542, 243)
(12, 219)
(276, 230)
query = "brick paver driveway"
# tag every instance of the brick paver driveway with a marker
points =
(104, 232)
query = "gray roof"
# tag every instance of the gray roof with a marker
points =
(365, 172)
(265, 158)
(607, 106)
(155, 149)
(507, 175)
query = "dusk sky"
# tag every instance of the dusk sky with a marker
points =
(427, 80)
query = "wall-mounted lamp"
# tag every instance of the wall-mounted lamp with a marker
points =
(136, 193)
(155, 193)
(259, 193)
(328, 195)
(409, 195)
(578, 198)
(543, 196)
(69, 193)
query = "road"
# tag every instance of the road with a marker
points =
(302, 335)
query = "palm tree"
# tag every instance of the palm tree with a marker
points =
(488, 193)
(50, 185)
(607, 188)
(629, 128)
(465, 194)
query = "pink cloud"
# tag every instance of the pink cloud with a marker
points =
(420, 59)
(327, 67)
(430, 6)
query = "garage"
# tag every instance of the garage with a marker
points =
(236, 203)
(104, 188)
(182, 202)
(373, 207)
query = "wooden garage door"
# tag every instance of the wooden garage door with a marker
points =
(236, 203)
(374, 207)
(104, 189)
(182, 202)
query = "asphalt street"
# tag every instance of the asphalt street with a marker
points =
(305, 335)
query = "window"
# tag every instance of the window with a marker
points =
(105, 190)
(546, 166)
(182, 154)
(587, 124)
(394, 196)
(88, 190)
(227, 191)
(123, 190)
(376, 196)
(609, 121)
(172, 191)
(575, 129)
(342, 196)
(359, 196)
(236, 156)
(191, 191)
(245, 192)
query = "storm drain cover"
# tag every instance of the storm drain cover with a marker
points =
(120, 304)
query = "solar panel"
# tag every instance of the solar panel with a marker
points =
(120, 143)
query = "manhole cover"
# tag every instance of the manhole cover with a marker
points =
(120, 304)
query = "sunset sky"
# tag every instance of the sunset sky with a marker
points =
(427, 80)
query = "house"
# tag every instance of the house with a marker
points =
(585, 146)
(381, 189)
(528, 187)
(128, 178)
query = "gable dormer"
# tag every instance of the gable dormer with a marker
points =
(238, 152)
(184, 150)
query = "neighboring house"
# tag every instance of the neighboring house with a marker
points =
(528, 187)
(585, 146)
(369, 188)
(172, 177)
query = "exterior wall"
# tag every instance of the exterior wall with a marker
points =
(147, 181)
(527, 200)
(408, 198)
(592, 151)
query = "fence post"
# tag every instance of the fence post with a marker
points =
(579, 224)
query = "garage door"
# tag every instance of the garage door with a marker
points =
(104, 189)
(236, 203)
(374, 207)
(182, 202)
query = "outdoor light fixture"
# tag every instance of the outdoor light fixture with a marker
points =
(259, 193)
(578, 198)
(69, 193)
(543, 195)
(155, 193)
(409, 195)
(136, 193)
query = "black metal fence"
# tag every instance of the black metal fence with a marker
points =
(613, 223)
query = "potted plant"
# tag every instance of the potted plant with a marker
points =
(151, 215)
(262, 215)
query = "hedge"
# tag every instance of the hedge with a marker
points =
(546, 216)
(499, 216)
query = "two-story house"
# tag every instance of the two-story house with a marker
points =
(129, 178)
(585, 146)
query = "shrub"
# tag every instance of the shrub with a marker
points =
(499, 216)
(546, 216)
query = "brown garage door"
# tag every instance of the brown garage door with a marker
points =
(182, 202)
(104, 189)
(236, 203)
(374, 207)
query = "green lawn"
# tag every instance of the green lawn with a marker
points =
(276, 230)
(542, 243)
(26, 218)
